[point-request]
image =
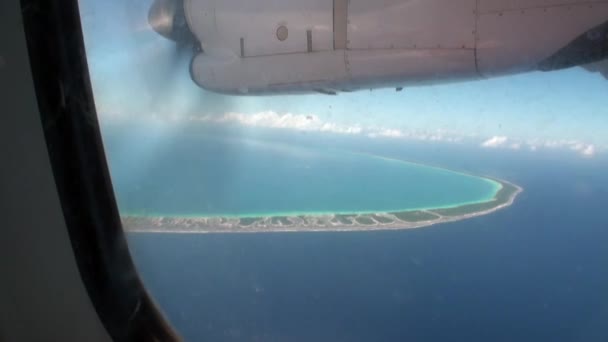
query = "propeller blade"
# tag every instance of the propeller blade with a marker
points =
(161, 17)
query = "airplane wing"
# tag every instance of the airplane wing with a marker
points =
(601, 67)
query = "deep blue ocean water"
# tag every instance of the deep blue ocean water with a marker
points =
(537, 271)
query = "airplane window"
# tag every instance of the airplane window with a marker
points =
(338, 170)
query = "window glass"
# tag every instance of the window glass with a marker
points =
(425, 185)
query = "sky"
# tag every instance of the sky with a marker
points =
(136, 77)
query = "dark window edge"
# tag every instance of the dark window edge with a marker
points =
(67, 111)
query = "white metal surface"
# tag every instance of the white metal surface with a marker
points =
(510, 5)
(516, 41)
(409, 66)
(377, 43)
(257, 74)
(387, 24)
(328, 70)
(222, 24)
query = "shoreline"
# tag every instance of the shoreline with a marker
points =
(376, 221)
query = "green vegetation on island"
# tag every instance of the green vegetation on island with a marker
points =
(365, 220)
(414, 216)
(248, 221)
(369, 221)
(502, 197)
(280, 221)
(382, 219)
(345, 219)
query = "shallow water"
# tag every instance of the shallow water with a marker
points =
(203, 175)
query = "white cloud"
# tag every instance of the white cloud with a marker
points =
(313, 123)
(272, 119)
(390, 133)
(589, 151)
(495, 141)
(584, 150)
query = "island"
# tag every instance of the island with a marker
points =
(406, 219)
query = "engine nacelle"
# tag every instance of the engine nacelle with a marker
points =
(269, 46)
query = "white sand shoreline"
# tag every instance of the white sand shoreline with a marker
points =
(312, 223)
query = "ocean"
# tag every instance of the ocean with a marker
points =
(536, 271)
(202, 173)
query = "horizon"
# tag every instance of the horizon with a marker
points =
(134, 77)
